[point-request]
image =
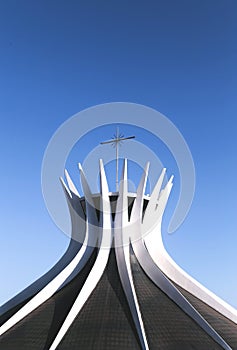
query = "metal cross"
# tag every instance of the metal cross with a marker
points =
(116, 141)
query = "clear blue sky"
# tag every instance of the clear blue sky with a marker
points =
(59, 57)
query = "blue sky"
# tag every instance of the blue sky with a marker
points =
(60, 57)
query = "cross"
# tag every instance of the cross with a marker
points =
(115, 141)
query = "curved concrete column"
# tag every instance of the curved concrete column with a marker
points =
(155, 274)
(154, 217)
(78, 262)
(154, 244)
(122, 249)
(103, 254)
(78, 230)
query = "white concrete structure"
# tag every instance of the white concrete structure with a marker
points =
(139, 231)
